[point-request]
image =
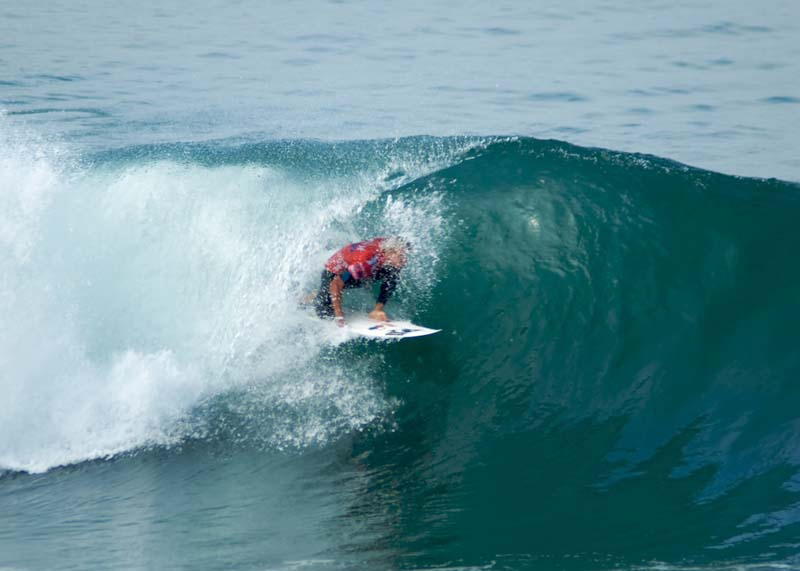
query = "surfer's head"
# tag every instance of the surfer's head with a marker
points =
(394, 251)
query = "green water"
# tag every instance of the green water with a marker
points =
(614, 385)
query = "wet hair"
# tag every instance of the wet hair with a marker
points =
(396, 243)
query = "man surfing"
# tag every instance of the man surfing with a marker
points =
(357, 265)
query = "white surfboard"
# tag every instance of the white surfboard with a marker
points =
(365, 327)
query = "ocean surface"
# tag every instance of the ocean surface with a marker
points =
(604, 206)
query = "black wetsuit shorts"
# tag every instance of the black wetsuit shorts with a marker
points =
(323, 305)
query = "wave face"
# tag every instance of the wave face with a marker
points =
(615, 383)
(621, 356)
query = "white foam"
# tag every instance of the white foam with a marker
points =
(131, 294)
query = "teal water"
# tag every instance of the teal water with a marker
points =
(613, 388)
(614, 385)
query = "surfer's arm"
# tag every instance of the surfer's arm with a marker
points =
(336, 287)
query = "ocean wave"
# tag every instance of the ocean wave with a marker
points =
(619, 320)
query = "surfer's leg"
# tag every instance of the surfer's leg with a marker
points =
(322, 302)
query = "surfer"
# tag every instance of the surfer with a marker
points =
(357, 265)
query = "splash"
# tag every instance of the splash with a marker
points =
(139, 290)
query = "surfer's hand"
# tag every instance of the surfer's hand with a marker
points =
(377, 315)
(339, 320)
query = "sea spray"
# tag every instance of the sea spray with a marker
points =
(139, 290)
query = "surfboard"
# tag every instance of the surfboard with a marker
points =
(386, 330)
(363, 326)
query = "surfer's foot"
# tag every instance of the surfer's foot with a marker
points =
(307, 299)
(377, 315)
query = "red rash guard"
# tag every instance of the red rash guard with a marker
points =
(361, 260)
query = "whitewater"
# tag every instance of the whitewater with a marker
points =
(139, 289)
(603, 205)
